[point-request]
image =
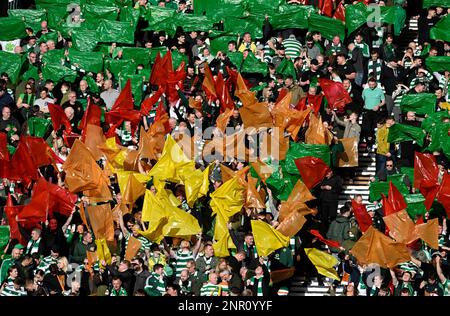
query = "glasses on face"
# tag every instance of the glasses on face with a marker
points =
(28, 88)
(389, 165)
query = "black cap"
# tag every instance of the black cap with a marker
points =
(315, 62)
(280, 47)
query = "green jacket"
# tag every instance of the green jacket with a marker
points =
(339, 230)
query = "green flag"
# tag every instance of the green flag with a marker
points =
(355, 16)
(281, 182)
(38, 126)
(4, 238)
(252, 64)
(291, 17)
(97, 12)
(415, 204)
(236, 58)
(157, 50)
(434, 120)
(117, 66)
(251, 24)
(11, 64)
(58, 72)
(299, 150)
(84, 40)
(191, 22)
(436, 3)
(115, 31)
(31, 72)
(440, 139)
(12, 28)
(328, 27)
(137, 54)
(286, 67)
(378, 187)
(422, 103)
(129, 14)
(401, 133)
(89, 61)
(178, 58)
(32, 18)
(438, 63)
(219, 42)
(136, 86)
(441, 30)
(409, 171)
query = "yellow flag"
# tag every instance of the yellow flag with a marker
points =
(152, 209)
(103, 252)
(222, 246)
(197, 185)
(181, 223)
(228, 198)
(267, 239)
(323, 262)
(154, 231)
(220, 227)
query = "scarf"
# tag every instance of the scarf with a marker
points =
(33, 246)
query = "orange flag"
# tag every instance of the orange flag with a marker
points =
(348, 158)
(316, 132)
(119, 207)
(289, 119)
(151, 143)
(374, 247)
(83, 214)
(296, 201)
(101, 219)
(82, 172)
(133, 247)
(94, 137)
(280, 275)
(223, 119)
(133, 190)
(401, 226)
(253, 197)
(208, 83)
(262, 169)
(274, 145)
(227, 174)
(429, 232)
(292, 224)
(195, 104)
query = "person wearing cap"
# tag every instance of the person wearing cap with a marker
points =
(311, 76)
(9, 262)
(160, 40)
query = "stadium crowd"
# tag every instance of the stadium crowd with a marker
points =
(98, 100)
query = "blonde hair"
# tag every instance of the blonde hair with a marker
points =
(64, 262)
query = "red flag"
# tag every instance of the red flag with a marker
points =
(37, 210)
(326, 7)
(335, 93)
(312, 170)
(426, 174)
(40, 152)
(148, 103)
(11, 212)
(387, 207)
(395, 199)
(22, 166)
(59, 118)
(226, 102)
(161, 69)
(174, 78)
(331, 243)
(69, 138)
(443, 195)
(92, 115)
(281, 95)
(362, 217)
(209, 84)
(340, 12)
(125, 99)
(310, 101)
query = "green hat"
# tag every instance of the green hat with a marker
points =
(19, 246)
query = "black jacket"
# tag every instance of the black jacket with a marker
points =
(389, 79)
(336, 186)
(140, 279)
(127, 277)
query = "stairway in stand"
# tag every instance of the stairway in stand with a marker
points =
(360, 185)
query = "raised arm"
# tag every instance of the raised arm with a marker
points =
(197, 245)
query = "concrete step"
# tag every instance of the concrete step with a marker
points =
(355, 187)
